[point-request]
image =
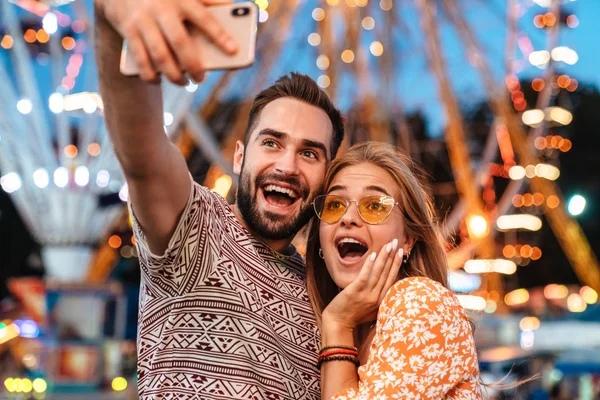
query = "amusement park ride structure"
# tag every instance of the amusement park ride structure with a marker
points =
(56, 188)
(58, 166)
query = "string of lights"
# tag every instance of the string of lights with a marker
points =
(84, 167)
(55, 155)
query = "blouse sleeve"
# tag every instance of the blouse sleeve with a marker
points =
(423, 347)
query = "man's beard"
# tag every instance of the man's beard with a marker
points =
(268, 225)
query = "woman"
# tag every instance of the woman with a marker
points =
(391, 312)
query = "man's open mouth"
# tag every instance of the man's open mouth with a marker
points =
(279, 196)
(351, 249)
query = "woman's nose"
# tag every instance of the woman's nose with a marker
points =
(351, 216)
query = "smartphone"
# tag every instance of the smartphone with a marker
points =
(241, 22)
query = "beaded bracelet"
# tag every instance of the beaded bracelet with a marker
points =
(338, 352)
(337, 347)
(352, 359)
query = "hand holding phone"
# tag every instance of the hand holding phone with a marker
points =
(157, 37)
(241, 22)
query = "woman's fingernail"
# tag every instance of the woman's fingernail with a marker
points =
(373, 255)
(388, 248)
(401, 252)
(395, 243)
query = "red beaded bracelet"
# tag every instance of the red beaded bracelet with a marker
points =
(337, 352)
(337, 347)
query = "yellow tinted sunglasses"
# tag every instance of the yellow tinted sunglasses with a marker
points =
(372, 209)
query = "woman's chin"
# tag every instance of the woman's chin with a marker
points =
(341, 273)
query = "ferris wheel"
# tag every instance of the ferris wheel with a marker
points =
(55, 156)
(58, 166)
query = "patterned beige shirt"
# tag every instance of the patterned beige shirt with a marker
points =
(222, 316)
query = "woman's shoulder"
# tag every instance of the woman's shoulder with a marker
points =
(419, 285)
(418, 292)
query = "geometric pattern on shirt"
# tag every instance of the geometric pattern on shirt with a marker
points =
(222, 316)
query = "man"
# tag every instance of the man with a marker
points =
(224, 311)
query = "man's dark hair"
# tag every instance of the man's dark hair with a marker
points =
(303, 88)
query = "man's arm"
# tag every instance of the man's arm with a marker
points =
(156, 172)
(157, 175)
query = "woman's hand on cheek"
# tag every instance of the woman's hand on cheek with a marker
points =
(359, 301)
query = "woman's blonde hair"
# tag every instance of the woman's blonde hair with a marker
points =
(428, 255)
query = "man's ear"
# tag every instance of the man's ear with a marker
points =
(238, 157)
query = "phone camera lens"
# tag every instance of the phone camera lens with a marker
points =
(241, 11)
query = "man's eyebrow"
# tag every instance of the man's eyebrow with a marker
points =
(315, 145)
(271, 132)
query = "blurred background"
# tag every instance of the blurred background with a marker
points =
(497, 99)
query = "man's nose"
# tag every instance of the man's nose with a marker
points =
(287, 164)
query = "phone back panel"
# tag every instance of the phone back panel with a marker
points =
(240, 20)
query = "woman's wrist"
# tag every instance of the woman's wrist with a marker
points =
(335, 333)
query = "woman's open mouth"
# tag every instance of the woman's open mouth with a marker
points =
(351, 249)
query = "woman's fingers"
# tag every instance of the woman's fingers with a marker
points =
(385, 272)
(393, 272)
(375, 272)
(360, 299)
(365, 271)
(381, 262)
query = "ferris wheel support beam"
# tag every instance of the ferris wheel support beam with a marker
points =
(28, 153)
(328, 43)
(568, 232)
(460, 209)
(514, 187)
(206, 142)
(455, 132)
(389, 62)
(360, 69)
(16, 156)
(63, 134)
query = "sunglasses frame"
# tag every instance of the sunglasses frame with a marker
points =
(349, 202)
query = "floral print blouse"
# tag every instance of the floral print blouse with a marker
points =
(423, 347)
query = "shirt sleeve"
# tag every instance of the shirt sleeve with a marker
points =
(423, 347)
(191, 249)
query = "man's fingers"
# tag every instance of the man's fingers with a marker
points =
(142, 58)
(182, 45)
(160, 54)
(209, 26)
(161, 43)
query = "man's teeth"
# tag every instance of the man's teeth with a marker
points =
(351, 240)
(275, 188)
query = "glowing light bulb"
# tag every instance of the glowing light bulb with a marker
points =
(576, 205)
